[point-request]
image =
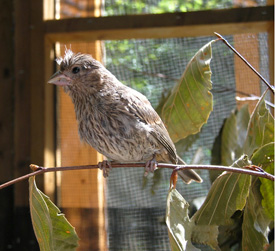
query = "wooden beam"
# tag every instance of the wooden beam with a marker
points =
(147, 33)
(180, 24)
(209, 17)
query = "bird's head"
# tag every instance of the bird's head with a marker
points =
(77, 72)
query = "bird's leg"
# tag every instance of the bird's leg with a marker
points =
(105, 166)
(150, 166)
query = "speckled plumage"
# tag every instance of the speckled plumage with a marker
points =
(116, 120)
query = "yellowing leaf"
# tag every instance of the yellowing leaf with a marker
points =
(52, 230)
(189, 104)
(178, 222)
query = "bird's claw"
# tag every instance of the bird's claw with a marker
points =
(150, 166)
(106, 167)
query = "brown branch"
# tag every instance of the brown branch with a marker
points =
(40, 170)
(245, 61)
(260, 173)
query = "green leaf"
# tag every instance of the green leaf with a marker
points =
(227, 194)
(260, 128)
(206, 235)
(179, 225)
(255, 226)
(233, 136)
(52, 230)
(265, 158)
(189, 105)
(183, 145)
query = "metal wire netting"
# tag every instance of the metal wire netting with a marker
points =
(85, 8)
(128, 7)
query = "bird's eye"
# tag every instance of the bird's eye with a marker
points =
(75, 70)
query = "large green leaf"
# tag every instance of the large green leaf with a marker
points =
(260, 128)
(265, 157)
(259, 210)
(52, 230)
(227, 194)
(255, 227)
(179, 225)
(233, 136)
(190, 102)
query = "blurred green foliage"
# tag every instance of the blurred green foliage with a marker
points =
(121, 7)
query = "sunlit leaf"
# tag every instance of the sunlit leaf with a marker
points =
(265, 158)
(260, 128)
(189, 105)
(227, 194)
(52, 230)
(178, 222)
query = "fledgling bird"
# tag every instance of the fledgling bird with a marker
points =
(113, 118)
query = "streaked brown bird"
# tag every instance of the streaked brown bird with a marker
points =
(113, 118)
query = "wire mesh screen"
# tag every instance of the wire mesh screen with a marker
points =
(115, 7)
(136, 206)
(84, 8)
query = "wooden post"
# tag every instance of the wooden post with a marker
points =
(29, 92)
(50, 114)
(6, 93)
(81, 193)
(28, 110)
(271, 59)
(248, 46)
(247, 81)
(6, 120)
(22, 105)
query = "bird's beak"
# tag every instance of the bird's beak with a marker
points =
(59, 79)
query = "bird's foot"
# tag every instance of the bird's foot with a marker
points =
(150, 166)
(106, 167)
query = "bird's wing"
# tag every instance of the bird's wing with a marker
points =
(142, 108)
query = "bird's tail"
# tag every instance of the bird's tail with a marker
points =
(188, 175)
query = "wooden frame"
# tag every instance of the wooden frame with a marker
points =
(199, 23)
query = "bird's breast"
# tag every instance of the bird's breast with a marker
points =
(116, 135)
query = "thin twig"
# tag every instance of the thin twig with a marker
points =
(40, 170)
(254, 98)
(245, 61)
